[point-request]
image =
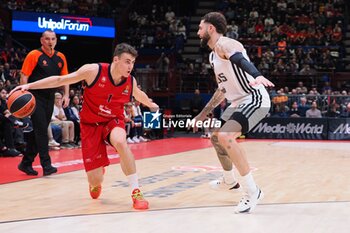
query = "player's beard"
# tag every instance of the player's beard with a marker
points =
(204, 40)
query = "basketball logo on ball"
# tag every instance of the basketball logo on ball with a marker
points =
(21, 103)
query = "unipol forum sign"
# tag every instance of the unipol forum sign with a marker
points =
(63, 24)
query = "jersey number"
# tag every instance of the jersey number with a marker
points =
(221, 78)
(109, 98)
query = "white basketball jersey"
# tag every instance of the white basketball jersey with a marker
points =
(233, 79)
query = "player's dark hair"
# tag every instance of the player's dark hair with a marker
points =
(218, 20)
(125, 48)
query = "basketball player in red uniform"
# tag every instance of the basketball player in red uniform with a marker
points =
(108, 88)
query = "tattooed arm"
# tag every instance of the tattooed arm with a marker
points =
(215, 100)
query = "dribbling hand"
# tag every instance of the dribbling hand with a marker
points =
(24, 87)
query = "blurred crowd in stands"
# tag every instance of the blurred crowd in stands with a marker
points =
(157, 28)
(289, 36)
(80, 7)
(297, 101)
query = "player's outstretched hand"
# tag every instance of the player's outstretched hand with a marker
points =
(24, 87)
(261, 80)
(153, 107)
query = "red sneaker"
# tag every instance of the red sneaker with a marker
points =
(139, 202)
(95, 192)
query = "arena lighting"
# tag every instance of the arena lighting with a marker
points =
(63, 37)
(63, 24)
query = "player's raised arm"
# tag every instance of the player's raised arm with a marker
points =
(233, 51)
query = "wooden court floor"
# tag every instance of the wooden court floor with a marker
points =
(306, 186)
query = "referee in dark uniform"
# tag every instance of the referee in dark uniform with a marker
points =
(39, 64)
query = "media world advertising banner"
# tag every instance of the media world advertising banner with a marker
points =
(290, 128)
(339, 128)
(63, 24)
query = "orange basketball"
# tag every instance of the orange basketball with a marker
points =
(21, 103)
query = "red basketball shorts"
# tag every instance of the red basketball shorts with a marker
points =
(93, 142)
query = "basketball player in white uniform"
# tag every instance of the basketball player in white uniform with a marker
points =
(244, 87)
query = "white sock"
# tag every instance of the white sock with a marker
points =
(229, 177)
(248, 184)
(133, 181)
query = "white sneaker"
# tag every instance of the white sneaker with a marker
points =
(53, 143)
(54, 148)
(142, 139)
(248, 202)
(130, 141)
(135, 139)
(220, 184)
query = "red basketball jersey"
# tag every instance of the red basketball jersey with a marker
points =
(103, 100)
